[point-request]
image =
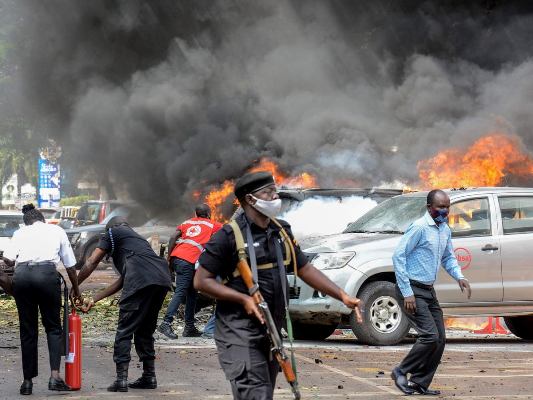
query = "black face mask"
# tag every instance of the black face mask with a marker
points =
(439, 216)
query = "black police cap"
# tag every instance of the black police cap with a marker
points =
(252, 182)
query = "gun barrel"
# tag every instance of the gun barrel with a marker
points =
(271, 326)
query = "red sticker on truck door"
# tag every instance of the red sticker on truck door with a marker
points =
(464, 257)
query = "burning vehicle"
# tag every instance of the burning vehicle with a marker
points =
(492, 229)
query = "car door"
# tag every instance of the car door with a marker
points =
(516, 213)
(477, 248)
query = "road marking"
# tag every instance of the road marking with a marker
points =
(492, 396)
(351, 376)
(184, 346)
(102, 394)
(484, 376)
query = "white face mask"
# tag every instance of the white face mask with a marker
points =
(269, 208)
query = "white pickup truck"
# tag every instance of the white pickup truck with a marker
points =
(492, 234)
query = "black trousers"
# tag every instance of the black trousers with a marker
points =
(137, 320)
(251, 370)
(38, 288)
(425, 355)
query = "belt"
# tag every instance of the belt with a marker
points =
(420, 285)
(37, 264)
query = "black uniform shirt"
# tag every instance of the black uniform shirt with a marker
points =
(220, 257)
(135, 260)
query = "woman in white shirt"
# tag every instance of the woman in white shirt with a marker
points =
(35, 250)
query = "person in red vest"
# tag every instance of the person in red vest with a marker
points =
(186, 245)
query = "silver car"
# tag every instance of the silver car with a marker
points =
(492, 234)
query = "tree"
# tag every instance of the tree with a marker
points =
(15, 161)
(18, 144)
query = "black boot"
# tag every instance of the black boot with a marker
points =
(147, 380)
(191, 331)
(121, 384)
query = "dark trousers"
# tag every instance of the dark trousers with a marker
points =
(184, 292)
(38, 288)
(251, 370)
(424, 357)
(137, 320)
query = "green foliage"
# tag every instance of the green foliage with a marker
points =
(22, 163)
(74, 201)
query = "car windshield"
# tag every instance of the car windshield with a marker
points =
(9, 224)
(48, 213)
(392, 216)
(89, 213)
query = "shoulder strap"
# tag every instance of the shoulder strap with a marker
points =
(291, 247)
(283, 278)
(239, 240)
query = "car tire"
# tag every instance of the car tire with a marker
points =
(87, 253)
(383, 320)
(520, 326)
(303, 331)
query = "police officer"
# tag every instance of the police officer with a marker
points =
(243, 347)
(185, 246)
(35, 250)
(144, 280)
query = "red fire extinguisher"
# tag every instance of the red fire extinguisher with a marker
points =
(73, 358)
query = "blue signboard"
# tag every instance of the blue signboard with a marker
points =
(49, 183)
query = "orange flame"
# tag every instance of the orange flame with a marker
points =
(303, 180)
(485, 163)
(218, 196)
(467, 323)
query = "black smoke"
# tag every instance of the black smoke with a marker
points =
(163, 98)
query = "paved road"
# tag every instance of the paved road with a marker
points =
(472, 368)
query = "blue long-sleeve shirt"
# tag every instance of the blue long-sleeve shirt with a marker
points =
(423, 248)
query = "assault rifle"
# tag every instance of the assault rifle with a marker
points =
(275, 341)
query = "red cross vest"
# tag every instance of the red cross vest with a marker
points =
(195, 233)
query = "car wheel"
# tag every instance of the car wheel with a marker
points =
(383, 319)
(303, 331)
(520, 326)
(89, 249)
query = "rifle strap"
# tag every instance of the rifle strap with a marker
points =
(251, 253)
(239, 242)
(241, 251)
(283, 279)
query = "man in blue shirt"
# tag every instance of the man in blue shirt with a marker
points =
(424, 247)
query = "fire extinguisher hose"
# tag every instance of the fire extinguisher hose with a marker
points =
(65, 316)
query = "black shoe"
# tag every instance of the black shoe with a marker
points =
(144, 382)
(419, 389)
(118, 386)
(191, 332)
(26, 387)
(167, 330)
(400, 380)
(58, 385)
